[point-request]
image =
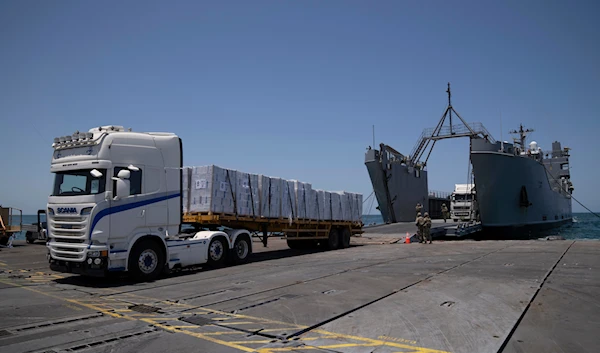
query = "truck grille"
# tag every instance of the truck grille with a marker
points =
(68, 236)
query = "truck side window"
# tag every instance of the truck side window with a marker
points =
(135, 181)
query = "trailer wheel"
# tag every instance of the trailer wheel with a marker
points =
(242, 249)
(344, 238)
(29, 237)
(216, 252)
(146, 261)
(334, 239)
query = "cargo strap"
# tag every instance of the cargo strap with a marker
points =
(232, 194)
(251, 196)
(290, 197)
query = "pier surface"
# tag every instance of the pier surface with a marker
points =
(449, 296)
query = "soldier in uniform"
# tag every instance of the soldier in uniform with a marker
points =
(419, 224)
(444, 212)
(419, 208)
(426, 228)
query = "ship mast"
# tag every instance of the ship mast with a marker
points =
(431, 136)
(522, 136)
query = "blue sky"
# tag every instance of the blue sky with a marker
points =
(292, 88)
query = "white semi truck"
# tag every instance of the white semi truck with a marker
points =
(462, 205)
(117, 206)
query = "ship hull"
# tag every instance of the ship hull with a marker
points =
(500, 179)
(398, 188)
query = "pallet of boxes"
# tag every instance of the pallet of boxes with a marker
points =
(306, 216)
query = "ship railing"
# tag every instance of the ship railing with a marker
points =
(458, 130)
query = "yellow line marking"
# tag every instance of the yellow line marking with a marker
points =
(384, 343)
(224, 333)
(3, 264)
(73, 301)
(251, 342)
(366, 342)
(73, 307)
(200, 335)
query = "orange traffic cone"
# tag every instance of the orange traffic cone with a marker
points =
(407, 241)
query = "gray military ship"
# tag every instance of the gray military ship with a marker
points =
(520, 186)
(400, 181)
(516, 188)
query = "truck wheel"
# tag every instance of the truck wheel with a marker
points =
(344, 238)
(241, 249)
(216, 252)
(334, 239)
(146, 261)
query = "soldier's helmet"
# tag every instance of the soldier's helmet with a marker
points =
(426, 214)
(419, 214)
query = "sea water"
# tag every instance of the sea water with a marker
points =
(584, 226)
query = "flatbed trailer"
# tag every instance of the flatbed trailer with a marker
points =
(299, 233)
(11, 222)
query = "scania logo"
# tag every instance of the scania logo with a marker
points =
(67, 210)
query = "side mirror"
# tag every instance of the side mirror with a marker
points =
(122, 184)
(124, 174)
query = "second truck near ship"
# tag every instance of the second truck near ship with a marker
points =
(117, 206)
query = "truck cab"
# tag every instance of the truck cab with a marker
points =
(116, 205)
(462, 204)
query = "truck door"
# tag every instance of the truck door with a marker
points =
(156, 212)
(128, 214)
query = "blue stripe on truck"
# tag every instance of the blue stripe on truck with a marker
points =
(129, 206)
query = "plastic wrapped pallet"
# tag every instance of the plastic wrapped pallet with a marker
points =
(275, 197)
(288, 200)
(336, 206)
(312, 205)
(212, 189)
(269, 196)
(185, 188)
(359, 207)
(353, 207)
(326, 196)
(320, 208)
(246, 198)
(264, 188)
(345, 203)
(302, 190)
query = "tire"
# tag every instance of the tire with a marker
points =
(29, 237)
(242, 249)
(344, 238)
(4, 239)
(146, 261)
(217, 250)
(333, 242)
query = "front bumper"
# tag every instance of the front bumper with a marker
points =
(82, 268)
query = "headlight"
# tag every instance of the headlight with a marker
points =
(86, 211)
(94, 254)
(50, 211)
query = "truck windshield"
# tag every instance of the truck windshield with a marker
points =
(462, 197)
(78, 182)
